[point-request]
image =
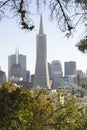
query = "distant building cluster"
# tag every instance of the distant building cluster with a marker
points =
(59, 79)
(47, 75)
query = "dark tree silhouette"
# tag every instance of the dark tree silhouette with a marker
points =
(67, 13)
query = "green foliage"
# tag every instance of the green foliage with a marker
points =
(12, 106)
(38, 110)
(82, 45)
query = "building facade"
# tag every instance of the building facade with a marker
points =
(49, 70)
(70, 68)
(17, 67)
(70, 73)
(56, 74)
(41, 77)
(2, 77)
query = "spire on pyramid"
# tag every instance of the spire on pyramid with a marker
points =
(41, 25)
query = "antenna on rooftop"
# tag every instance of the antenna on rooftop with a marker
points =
(17, 55)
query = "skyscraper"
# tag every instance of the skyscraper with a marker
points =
(70, 68)
(17, 66)
(56, 74)
(2, 77)
(41, 71)
(70, 73)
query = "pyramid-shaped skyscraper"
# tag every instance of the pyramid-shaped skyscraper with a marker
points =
(41, 78)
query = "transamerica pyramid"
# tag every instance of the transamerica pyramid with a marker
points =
(41, 78)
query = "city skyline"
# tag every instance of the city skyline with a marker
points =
(58, 46)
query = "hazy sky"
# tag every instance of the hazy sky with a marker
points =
(58, 46)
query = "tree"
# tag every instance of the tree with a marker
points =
(39, 110)
(13, 107)
(68, 13)
(23, 110)
(82, 45)
(60, 10)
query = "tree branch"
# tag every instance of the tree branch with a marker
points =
(64, 15)
(4, 3)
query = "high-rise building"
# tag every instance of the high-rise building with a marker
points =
(2, 77)
(70, 68)
(49, 70)
(41, 77)
(28, 77)
(17, 67)
(56, 73)
(70, 73)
